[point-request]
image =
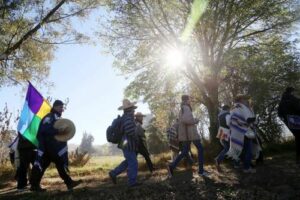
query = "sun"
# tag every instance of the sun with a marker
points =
(174, 58)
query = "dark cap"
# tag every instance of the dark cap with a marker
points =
(226, 107)
(185, 97)
(58, 103)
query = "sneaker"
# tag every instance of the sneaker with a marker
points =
(249, 171)
(170, 171)
(218, 166)
(37, 189)
(73, 184)
(113, 178)
(204, 174)
(21, 189)
(236, 165)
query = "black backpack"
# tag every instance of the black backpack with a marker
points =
(114, 132)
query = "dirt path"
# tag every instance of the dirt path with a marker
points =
(278, 178)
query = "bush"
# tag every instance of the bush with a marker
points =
(281, 147)
(77, 158)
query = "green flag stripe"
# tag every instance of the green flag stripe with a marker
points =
(32, 130)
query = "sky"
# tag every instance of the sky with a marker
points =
(84, 74)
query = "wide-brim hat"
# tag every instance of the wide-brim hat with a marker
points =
(139, 114)
(68, 127)
(127, 104)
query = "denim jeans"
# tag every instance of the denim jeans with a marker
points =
(185, 153)
(221, 155)
(248, 153)
(129, 163)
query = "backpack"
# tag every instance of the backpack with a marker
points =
(114, 132)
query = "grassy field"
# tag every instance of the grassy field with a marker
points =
(277, 178)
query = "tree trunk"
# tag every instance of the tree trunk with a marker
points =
(212, 105)
(213, 110)
(213, 122)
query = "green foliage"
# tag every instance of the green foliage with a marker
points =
(263, 71)
(29, 32)
(139, 33)
(156, 140)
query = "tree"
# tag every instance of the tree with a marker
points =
(86, 145)
(156, 140)
(263, 71)
(139, 33)
(29, 32)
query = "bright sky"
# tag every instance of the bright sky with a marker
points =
(85, 75)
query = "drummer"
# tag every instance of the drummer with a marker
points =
(53, 147)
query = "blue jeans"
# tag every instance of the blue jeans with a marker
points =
(185, 153)
(131, 163)
(248, 153)
(221, 155)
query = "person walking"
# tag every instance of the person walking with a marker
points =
(128, 145)
(223, 134)
(187, 134)
(289, 113)
(142, 149)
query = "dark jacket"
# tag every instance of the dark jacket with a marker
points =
(140, 131)
(289, 105)
(130, 139)
(222, 119)
(46, 133)
(24, 144)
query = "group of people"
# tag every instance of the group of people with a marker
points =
(132, 142)
(237, 134)
(52, 150)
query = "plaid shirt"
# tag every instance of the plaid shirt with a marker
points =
(173, 137)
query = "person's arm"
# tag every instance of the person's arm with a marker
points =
(47, 126)
(227, 118)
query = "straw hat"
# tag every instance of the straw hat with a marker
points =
(68, 128)
(127, 104)
(139, 114)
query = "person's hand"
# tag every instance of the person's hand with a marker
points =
(61, 129)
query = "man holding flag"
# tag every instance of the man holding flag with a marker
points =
(36, 126)
(51, 150)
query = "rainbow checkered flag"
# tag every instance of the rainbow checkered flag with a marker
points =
(34, 109)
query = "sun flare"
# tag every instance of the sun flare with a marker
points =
(174, 58)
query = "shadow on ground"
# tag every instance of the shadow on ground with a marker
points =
(278, 178)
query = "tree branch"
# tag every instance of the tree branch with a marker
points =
(31, 32)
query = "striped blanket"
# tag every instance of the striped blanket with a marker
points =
(173, 137)
(238, 129)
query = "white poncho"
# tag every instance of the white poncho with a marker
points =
(238, 128)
